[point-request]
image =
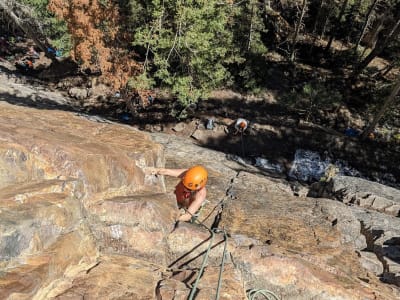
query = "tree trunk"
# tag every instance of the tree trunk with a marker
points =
(378, 48)
(318, 15)
(267, 8)
(371, 36)
(326, 17)
(26, 29)
(388, 102)
(366, 24)
(387, 70)
(297, 30)
(251, 28)
(339, 18)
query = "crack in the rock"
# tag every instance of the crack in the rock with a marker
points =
(228, 195)
(92, 267)
(372, 203)
(366, 196)
(370, 237)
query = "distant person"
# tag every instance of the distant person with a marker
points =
(32, 54)
(371, 136)
(25, 65)
(352, 132)
(210, 124)
(241, 125)
(150, 100)
(190, 192)
(51, 50)
(54, 51)
(29, 64)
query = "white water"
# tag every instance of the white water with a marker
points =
(309, 166)
(265, 164)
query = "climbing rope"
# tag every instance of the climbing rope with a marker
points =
(241, 138)
(205, 258)
(194, 288)
(221, 270)
(250, 294)
(267, 294)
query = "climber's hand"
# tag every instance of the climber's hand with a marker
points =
(151, 171)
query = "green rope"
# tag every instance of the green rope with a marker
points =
(205, 259)
(250, 294)
(267, 294)
(241, 138)
(221, 270)
(193, 291)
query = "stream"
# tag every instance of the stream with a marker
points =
(309, 166)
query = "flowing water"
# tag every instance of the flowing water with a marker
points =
(309, 166)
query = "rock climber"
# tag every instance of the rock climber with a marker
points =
(241, 125)
(190, 192)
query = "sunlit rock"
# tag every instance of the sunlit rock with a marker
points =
(79, 218)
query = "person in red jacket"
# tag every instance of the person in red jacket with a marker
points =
(190, 192)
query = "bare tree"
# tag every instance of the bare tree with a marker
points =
(297, 29)
(321, 21)
(379, 47)
(339, 18)
(366, 24)
(251, 26)
(386, 105)
(327, 15)
(317, 16)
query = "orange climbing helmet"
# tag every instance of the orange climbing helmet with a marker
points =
(195, 178)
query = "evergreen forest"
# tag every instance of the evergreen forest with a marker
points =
(317, 55)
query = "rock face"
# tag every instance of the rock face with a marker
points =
(361, 192)
(79, 219)
(298, 247)
(69, 189)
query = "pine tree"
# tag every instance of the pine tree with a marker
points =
(94, 30)
(248, 26)
(55, 30)
(186, 45)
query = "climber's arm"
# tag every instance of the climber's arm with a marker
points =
(199, 198)
(166, 172)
